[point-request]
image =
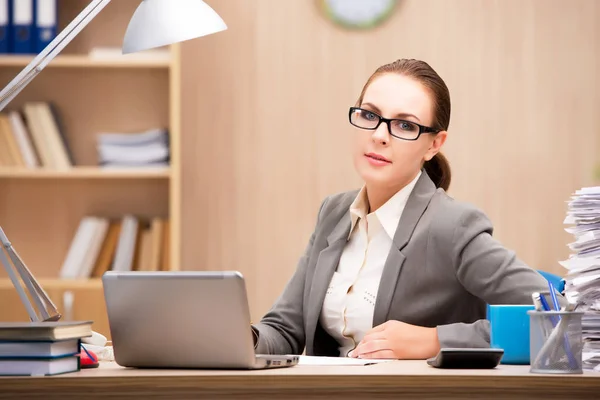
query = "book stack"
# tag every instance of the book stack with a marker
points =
(130, 243)
(33, 137)
(144, 149)
(41, 348)
(582, 281)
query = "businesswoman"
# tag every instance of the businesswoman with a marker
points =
(398, 268)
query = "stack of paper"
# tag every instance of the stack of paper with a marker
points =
(582, 282)
(144, 149)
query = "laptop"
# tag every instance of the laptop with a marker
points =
(183, 319)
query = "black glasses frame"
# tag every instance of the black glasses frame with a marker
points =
(387, 121)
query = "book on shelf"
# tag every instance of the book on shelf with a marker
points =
(48, 138)
(10, 152)
(34, 137)
(24, 141)
(130, 243)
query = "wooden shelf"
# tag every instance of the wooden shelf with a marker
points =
(85, 173)
(51, 284)
(84, 61)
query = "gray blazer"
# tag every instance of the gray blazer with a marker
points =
(442, 270)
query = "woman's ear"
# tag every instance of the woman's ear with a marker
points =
(436, 145)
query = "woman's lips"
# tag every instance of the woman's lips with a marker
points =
(377, 159)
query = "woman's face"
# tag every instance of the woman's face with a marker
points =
(382, 160)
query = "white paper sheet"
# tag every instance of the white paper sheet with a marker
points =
(312, 360)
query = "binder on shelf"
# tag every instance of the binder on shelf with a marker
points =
(46, 19)
(22, 34)
(5, 24)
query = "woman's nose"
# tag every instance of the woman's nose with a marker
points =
(381, 134)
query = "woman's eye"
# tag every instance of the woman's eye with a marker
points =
(405, 126)
(369, 115)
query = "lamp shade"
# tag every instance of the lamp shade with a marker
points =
(158, 23)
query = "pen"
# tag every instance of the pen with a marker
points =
(542, 305)
(88, 353)
(546, 307)
(553, 296)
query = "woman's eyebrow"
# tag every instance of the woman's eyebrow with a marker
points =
(399, 115)
(405, 115)
(373, 106)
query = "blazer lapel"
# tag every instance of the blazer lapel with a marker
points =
(326, 265)
(387, 285)
(415, 207)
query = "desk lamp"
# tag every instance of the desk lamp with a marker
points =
(155, 23)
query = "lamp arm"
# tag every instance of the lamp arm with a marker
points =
(41, 300)
(15, 281)
(50, 51)
(39, 296)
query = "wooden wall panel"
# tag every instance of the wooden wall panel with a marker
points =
(266, 138)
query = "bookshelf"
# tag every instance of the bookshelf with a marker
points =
(41, 208)
(84, 173)
(84, 61)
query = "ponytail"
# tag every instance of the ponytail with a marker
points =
(438, 169)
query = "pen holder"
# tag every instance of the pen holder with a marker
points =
(555, 342)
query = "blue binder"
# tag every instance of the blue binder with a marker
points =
(45, 23)
(22, 26)
(5, 18)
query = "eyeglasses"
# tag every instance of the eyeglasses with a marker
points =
(398, 128)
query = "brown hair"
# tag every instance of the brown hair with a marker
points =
(438, 167)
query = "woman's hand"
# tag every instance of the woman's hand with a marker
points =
(395, 339)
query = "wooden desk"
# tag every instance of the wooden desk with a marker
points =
(398, 379)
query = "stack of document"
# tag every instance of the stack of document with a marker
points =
(144, 149)
(582, 282)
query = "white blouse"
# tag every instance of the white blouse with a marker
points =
(347, 313)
